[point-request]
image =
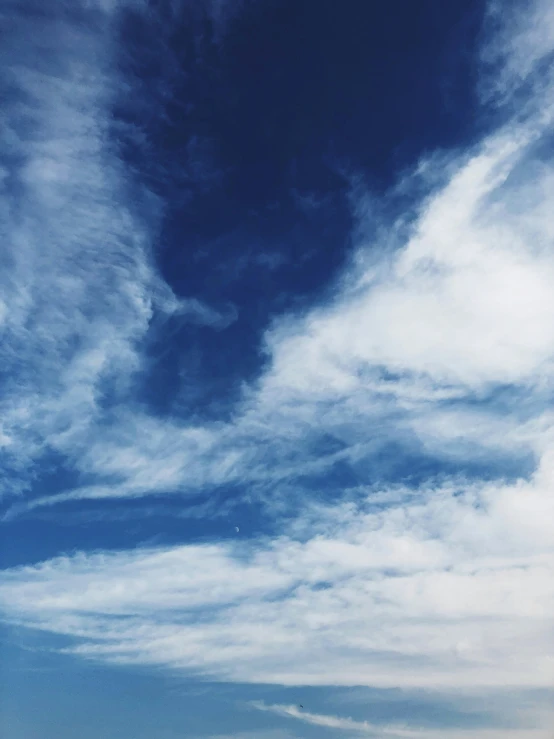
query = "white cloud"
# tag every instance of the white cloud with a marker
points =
(329, 722)
(446, 584)
(398, 731)
(79, 289)
(520, 50)
(426, 593)
(467, 299)
(440, 319)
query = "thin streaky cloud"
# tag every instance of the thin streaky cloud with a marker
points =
(392, 731)
(80, 289)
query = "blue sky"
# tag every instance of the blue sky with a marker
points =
(276, 369)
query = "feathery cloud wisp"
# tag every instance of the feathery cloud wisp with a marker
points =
(380, 731)
(79, 287)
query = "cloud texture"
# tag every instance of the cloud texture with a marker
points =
(436, 343)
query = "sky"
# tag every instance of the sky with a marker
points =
(277, 369)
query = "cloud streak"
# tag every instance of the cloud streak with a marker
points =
(380, 731)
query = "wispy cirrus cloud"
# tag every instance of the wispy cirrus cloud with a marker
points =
(519, 49)
(398, 731)
(79, 286)
(445, 345)
(437, 343)
(425, 593)
(316, 719)
(426, 325)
